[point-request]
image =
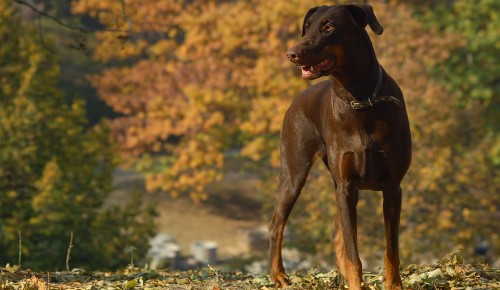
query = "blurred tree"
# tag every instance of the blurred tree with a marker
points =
(55, 176)
(196, 78)
(471, 71)
(471, 75)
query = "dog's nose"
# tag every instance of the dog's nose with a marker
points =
(293, 54)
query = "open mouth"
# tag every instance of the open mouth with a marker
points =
(314, 71)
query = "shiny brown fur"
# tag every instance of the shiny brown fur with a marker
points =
(363, 149)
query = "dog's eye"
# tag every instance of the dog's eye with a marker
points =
(329, 26)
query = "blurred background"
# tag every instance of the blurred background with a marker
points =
(140, 124)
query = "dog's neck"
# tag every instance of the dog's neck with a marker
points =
(359, 75)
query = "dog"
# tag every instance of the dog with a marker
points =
(356, 122)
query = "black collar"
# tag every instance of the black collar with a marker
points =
(374, 98)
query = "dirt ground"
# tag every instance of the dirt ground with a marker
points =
(232, 208)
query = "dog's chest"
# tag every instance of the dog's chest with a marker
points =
(367, 131)
(361, 150)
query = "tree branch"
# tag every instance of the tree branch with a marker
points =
(58, 21)
(55, 19)
(40, 33)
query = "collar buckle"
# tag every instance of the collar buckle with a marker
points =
(354, 105)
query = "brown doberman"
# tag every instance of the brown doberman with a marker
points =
(356, 122)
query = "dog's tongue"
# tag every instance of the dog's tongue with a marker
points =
(315, 70)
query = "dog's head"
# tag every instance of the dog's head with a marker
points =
(327, 33)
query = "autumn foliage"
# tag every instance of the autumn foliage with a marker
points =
(205, 77)
(194, 79)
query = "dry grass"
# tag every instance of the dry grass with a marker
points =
(449, 273)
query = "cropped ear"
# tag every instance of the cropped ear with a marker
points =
(363, 14)
(308, 14)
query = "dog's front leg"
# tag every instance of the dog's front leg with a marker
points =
(285, 199)
(392, 210)
(338, 243)
(296, 153)
(347, 199)
(276, 228)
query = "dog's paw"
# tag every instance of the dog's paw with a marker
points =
(394, 285)
(280, 279)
